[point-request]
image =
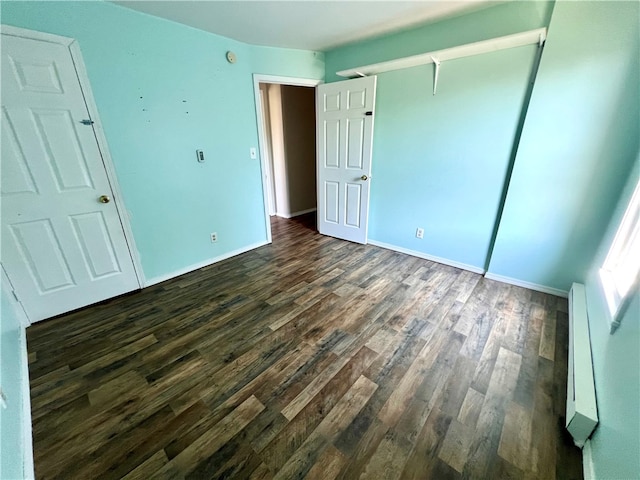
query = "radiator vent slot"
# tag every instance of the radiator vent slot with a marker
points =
(582, 413)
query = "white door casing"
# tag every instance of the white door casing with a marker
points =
(262, 139)
(61, 248)
(345, 137)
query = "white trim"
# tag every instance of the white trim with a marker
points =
(18, 309)
(257, 80)
(581, 411)
(619, 275)
(295, 214)
(433, 258)
(206, 263)
(28, 466)
(531, 286)
(613, 321)
(267, 151)
(35, 35)
(588, 469)
(27, 435)
(500, 43)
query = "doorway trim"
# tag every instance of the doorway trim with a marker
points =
(101, 139)
(279, 80)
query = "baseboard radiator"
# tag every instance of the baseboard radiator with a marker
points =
(582, 413)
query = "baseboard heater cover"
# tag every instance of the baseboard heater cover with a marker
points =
(582, 412)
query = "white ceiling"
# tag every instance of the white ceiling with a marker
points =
(303, 24)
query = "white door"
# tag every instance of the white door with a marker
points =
(345, 136)
(61, 247)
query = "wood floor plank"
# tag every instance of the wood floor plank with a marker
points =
(309, 357)
(515, 440)
(215, 438)
(456, 444)
(328, 465)
(427, 446)
(470, 409)
(334, 422)
(148, 467)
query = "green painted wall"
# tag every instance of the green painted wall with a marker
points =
(440, 162)
(164, 90)
(579, 141)
(513, 17)
(11, 380)
(616, 363)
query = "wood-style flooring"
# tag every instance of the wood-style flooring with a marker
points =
(308, 358)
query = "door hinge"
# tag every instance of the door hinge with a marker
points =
(87, 122)
(15, 296)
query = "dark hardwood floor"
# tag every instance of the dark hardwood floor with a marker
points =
(308, 358)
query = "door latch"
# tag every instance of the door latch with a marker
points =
(87, 122)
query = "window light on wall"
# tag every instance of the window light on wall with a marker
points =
(620, 272)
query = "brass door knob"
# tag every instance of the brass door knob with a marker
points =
(364, 177)
(104, 199)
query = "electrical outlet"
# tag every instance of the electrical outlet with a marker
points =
(420, 233)
(214, 237)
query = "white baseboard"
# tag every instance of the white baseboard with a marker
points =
(531, 286)
(206, 263)
(587, 462)
(295, 214)
(433, 258)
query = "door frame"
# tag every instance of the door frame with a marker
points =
(280, 80)
(101, 139)
(18, 310)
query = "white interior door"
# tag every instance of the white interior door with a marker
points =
(61, 247)
(345, 136)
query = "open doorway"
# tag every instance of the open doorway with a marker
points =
(285, 109)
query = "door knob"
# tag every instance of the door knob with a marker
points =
(104, 199)
(364, 177)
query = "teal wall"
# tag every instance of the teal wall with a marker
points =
(11, 380)
(164, 90)
(440, 162)
(616, 363)
(579, 141)
(513, 17)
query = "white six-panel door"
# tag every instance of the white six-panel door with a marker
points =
(345, 135)
(61, 247)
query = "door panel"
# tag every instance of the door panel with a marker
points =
(332, 203)
(40, 250)
(62, 249)
(96, 243)
(355, 142)
(332, 144)
(354, 195)
(345, 135)
(61, 149)
(16, 175)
